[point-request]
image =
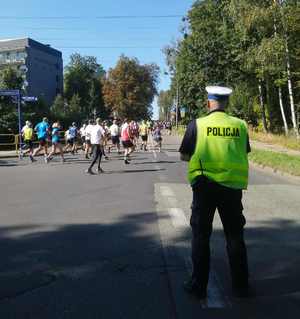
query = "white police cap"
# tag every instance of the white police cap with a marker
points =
(218, 92)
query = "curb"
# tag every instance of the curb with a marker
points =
(274, 171)
(9, 156)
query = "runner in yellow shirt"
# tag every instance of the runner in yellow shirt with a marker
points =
(144, 129)
(27, 134)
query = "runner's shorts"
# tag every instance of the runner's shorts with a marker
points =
(127, 144)
(115, 140)
(70, 141)
(144, 138)
(28, 144)
(42, 141)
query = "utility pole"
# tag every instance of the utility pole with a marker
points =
(177, 102)
(20, 123)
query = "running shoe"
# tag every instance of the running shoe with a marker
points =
(89, 171)
(32, 159)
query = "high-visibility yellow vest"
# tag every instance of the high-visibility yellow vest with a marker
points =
(28, 133)
(221, 151)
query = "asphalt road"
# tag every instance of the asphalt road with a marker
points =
(117, 245)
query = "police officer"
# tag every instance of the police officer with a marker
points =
(216, 147)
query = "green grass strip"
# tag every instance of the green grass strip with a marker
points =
(279, 161)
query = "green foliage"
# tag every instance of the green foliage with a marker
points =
(83, 77)
(58, 109)
(165, 103)
(242, 44)
(35, 111)
(74, 108)
(9, 79)
(243, 104)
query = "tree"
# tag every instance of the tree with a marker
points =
(96, 102)
(130, 87)
(249, 45)
(9, 79)
(165, 103)
(58, 108)
(206, 54)
(74, 109)
(83, 76)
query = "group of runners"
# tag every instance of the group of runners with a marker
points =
(96, 139)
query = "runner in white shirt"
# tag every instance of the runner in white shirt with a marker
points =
(115, 136)
(82, 135)
(97, 136)
(88, 138)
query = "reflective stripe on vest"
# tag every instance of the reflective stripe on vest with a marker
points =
(221, 151)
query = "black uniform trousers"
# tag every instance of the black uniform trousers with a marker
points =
(207, 196)
(97, 155)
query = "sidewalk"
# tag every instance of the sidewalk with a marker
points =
(8, 154)
(273, 147)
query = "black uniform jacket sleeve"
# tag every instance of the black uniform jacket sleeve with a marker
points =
(188, 144)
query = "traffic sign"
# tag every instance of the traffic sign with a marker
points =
(9, 92)
(29, 98)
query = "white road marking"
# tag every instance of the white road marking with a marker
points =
(153, 147)
(166, 191)
(172, 154)
(179, 220)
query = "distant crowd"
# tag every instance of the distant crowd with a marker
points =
(96, 138)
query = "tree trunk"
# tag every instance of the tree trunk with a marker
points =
(288, 69)
(290, 87)
(262, 106)
(286, 129)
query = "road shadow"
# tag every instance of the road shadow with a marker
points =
(108, 270)
(274, 266)
(7, 163)
(157, 162)
(133, 171)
